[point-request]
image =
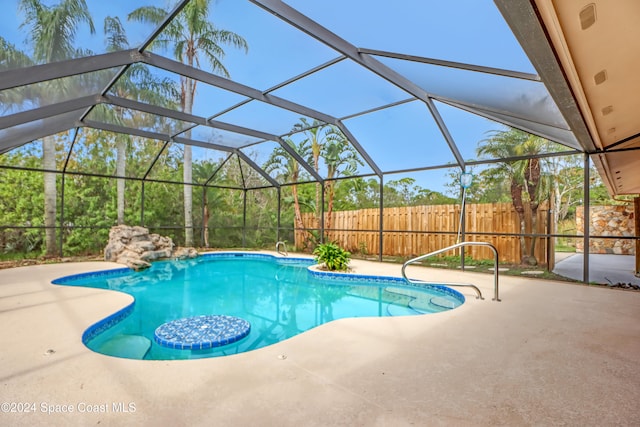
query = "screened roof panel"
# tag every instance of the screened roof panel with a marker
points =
(265, 117)
(342, 89)
(220, 137)
(141, 152)
(165, 91)
(152, 85)
(277, 51)
(137, 119)
(562, 136)
(409, 137)
(474, 30)
(24, 98)
(519, 97)
(340, 157)
(26, 132)
(210, 101)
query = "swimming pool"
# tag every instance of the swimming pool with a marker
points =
(278, 297)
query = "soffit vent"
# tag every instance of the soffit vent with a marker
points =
(588, 16)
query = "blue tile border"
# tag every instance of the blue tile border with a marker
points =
(235, 255)
(106, 323)
(67, 280)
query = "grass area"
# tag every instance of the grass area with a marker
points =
(18, 256)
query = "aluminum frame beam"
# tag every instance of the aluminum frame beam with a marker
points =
(56, 70)
(179, 115)
(28, 135)
(110, 127)
(48, 111)
(452, 64)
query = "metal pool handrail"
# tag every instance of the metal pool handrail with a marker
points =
(278, 244)
(458, 245)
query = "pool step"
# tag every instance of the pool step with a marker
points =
(418, 303)
(127, 346)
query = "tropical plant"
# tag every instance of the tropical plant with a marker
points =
(332, 256)
(191, 35)
(52, 32)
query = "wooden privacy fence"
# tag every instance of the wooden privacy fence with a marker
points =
(416, 230)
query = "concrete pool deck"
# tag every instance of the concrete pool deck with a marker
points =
(551, 353)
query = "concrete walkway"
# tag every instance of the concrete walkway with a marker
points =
(603, 269)
(551, 353)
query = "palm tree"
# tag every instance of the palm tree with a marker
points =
(191, 36)
(315, 139)
(204, 171)
(288, 168)
(341, 159)
(524, 176)
(52, 32)
(11, 58)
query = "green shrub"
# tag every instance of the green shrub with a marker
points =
(332, 255)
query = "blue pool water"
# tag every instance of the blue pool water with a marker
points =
(279, 297)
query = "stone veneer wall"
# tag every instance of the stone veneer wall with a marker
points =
(608, 221)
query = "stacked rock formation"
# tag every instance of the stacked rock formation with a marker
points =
(136, 248)
(608, 221)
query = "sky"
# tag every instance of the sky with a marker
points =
(398, 138)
